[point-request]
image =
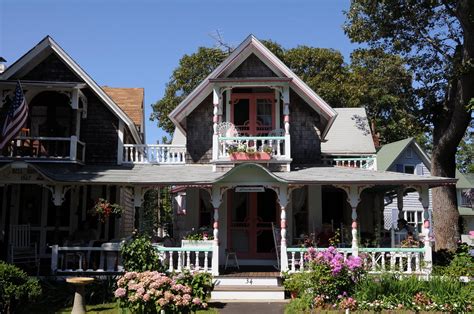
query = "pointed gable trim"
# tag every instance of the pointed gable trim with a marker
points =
(48, 42)
(246, 48)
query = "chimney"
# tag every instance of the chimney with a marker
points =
(2, 65)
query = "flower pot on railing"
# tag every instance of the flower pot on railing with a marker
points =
(197, 243)
(251, 156)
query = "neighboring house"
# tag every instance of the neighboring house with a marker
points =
(258, 157)
(407, 156)
(73, 123)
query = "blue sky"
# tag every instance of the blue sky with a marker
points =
(139, 43)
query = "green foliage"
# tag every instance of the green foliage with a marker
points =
(299, 305)
(16, 287)
(462, 264)
(374, 79)
(140, 255)
(465, 152)
(203, 233)
(191, 71)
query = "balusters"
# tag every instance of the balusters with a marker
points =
(171, 268)
(301, 261)
(293, 269)
(409, 262)
(188, 260)
(417, 262)
(206, 261)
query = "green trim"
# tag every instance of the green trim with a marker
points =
(354, 159)
(465, 211)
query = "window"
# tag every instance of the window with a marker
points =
(415, 219)
(409, 169)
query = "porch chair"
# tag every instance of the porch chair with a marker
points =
(21, 250)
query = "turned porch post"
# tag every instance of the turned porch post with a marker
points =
(286, 120)
(425, 202)
(283, 201)
(216, 200)
(400, 192)
(217, 112)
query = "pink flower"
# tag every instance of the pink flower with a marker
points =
(146, 297)
(120, 293)
(197, 301)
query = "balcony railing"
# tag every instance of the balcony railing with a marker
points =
(45, 148)
(153, 154)
(276, 144)
(365, 162)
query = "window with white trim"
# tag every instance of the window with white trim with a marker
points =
(414, 219)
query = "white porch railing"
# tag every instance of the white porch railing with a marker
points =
(153, 154)
(376, 260)
(110, 260)
(366, 162)
(179, 259)
(277, 143)
(45, 148)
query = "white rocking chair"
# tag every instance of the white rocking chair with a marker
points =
(21, 250)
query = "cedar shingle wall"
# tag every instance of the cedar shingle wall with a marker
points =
(305, 140)
(199, 133)
(51, 69)
(252, 67)
(99, 132)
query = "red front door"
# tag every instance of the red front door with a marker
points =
(253, 114)
(250, 218)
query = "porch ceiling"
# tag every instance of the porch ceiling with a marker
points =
(203, 175)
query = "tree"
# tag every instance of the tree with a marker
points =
(436, 40)
(191, 71)
(465, 154)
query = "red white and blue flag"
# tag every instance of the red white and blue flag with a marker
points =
(16, 117)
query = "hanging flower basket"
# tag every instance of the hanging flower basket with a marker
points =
(103, 209)
(250, 156)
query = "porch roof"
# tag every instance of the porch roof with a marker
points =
(203, 175)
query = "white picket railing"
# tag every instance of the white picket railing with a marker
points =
(154, 154)
(366, 162)
(376, 260)
(178, 259)
(256, 143)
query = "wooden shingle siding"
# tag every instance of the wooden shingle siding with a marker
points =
(199, 133)
(252, 67)
(51, 69)
(305, 140)
(99, 132)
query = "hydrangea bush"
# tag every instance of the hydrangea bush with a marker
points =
(152, 291)
(328, 275)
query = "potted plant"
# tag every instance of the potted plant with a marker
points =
(200, 237)
(103, 209)
(245, 152)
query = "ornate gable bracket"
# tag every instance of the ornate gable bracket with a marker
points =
(58, 192)
(353, 192)
(139, 194)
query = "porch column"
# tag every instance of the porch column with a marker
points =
(283, 200)
(399, 214)
(353, 198)
(216, 200)
(216, 119)
(425, 202)
(286, 120)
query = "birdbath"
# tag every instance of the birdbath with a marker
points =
(79, 306)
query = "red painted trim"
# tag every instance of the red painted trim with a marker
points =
(252, 97)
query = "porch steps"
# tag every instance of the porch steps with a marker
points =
(251, 288)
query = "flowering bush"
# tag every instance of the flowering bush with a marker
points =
(328, 275)
(103, 209)
(203, 233)
(152, 291)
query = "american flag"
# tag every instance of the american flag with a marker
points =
(16, 117)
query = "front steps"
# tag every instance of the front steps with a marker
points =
(261, 288)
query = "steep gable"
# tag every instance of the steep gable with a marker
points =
(253, 67)
(51, 69)
(252, 46)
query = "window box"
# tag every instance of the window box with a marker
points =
(252, 156)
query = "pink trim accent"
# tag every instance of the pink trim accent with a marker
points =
(215, 119)
(283, 224)
(215, 225)
(287, 118)
(426, 224)
(354, 224)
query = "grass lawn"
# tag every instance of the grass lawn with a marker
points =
(113, 308)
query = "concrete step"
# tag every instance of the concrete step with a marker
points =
(256, 293)
(247, 281)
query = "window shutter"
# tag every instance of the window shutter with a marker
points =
(419, 170)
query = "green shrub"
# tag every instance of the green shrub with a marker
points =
(15, 287)
(299, 306)
(140, 255)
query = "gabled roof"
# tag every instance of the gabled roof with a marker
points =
(465, 180)
(389, 153)
(351, 123)
(44, 48)
(130, 100)
(251, 45)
